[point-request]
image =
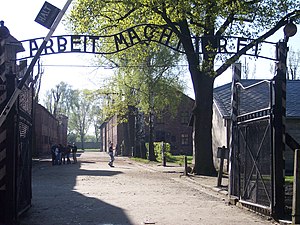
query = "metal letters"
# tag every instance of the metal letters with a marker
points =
(140, 34)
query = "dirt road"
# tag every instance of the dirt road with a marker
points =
(92, 193)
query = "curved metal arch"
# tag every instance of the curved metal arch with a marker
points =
(139, 34)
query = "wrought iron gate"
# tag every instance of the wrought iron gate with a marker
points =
(15, 144)
(252, 155)
(24, 156)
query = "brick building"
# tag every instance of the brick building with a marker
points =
(170, 129)
(48, 130)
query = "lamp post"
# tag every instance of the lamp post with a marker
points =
(279, 120)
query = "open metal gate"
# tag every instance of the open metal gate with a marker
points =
(252, 160)
(24, 149)
(15, 142)
(258, 139)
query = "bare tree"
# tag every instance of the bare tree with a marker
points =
(293, 63)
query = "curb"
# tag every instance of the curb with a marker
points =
(221, 190)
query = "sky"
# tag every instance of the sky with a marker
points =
(78, 69)
(19, 16)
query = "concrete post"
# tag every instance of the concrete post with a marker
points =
(296, 189)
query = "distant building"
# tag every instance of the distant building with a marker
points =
(174, 130)
(48, 130)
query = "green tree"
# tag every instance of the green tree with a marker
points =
(97, 120)
(190, 21)
(57, 99)
(80, 118)
(150, 88)
(78, 106)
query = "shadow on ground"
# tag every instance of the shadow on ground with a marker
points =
(56, 201)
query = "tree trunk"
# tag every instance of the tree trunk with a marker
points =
(202, 74)
(202, 124)
(130, 133)
(151, 156)
(82, 141)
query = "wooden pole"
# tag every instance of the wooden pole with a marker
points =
(185, 166)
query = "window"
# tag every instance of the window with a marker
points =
(185, 117)
(184, 139)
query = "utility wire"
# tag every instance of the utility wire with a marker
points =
(105, 67)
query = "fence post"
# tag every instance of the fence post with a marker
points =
(279, 128)
(296, 189)
(163, 156)
(221, 154)
(232, 185)
(185, 166)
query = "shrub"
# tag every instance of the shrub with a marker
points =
(158, 150)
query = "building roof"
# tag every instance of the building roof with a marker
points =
(255, 95)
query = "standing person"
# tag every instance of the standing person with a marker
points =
(66, 154)
(111, 154)
(74, 152)
(53, 147)
(57, 155)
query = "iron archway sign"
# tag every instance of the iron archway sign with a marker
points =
(140, 34)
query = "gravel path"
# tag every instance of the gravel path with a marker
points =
(92, 193)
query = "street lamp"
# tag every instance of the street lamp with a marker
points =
(289, 30)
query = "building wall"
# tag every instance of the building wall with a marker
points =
(63, 130)
(89, 145)
(48, 130)
(112, 131)
(220, 134)
(175, 131)
(103, 134)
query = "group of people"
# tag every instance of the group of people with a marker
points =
(61, 154)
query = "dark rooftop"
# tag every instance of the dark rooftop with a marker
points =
(254, 95)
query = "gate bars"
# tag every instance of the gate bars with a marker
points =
(15, 140)
(3, 37)
(251, 159)
(242, 125)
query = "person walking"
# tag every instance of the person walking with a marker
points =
(111, 154)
